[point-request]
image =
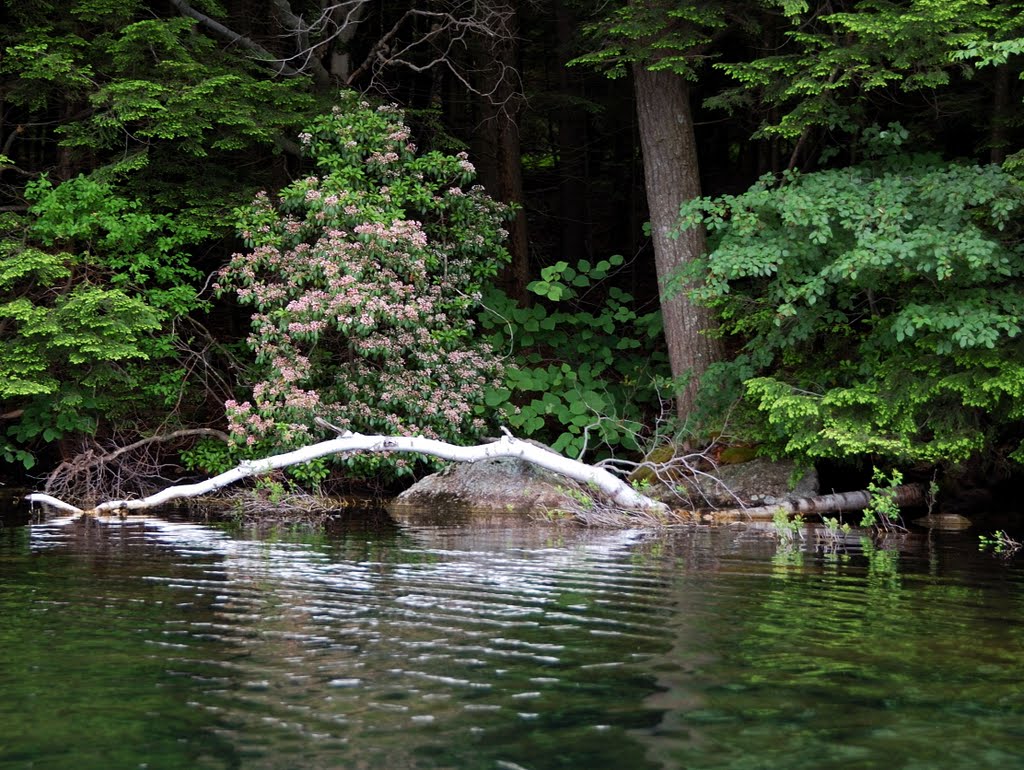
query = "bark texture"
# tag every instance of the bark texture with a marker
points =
(905, 496)
(672, 177)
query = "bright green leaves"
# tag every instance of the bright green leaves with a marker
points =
(199, 109)
(661, 35)
(981, 319)
(46, 67)
(99, 284)
(24, 265)
(138, 249)
(147, 82)
(93, 325)
(831, 59)
(587, 363)
(559, 281)
(880, 303)
(62, 342)
(86, 327)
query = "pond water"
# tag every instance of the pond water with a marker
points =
(161, 644)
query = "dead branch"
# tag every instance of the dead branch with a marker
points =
(444, 45)
(618, 492)
(450, 34)
(94, 472)
(110, 456)
(697, 465)
(301, 31)
(231, 36)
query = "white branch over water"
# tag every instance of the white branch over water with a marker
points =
(618, 491)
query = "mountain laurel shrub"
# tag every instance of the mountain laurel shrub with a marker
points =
(877, 308)
(364, 277)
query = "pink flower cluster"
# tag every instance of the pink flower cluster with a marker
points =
(362, 298)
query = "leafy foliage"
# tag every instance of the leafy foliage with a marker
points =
(133, 247)
(586, 370)
(106, 262)
(363, 278)
(879, 307)
(836, 65)
(662, 35)
(65, 341)
(883, 511)
(150, 82)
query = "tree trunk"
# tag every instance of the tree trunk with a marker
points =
(904, 496)
(571, 138)
(672, 177)
(998, 134)
(498, 149)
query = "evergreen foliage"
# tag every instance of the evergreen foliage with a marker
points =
(66, 337)
(108, 107)
(660, 35)
(841, 67)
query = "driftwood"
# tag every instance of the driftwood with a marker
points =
(623, 498)
(97, 472)
(905, 496)
(618, 492)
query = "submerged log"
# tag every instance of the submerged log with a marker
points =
(618, 492)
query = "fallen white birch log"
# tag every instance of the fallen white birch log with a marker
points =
(619, 493)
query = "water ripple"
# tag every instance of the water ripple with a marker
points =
(484, 649)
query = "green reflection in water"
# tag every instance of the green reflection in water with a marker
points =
(145, 645)
(848, 661)
(85, 678)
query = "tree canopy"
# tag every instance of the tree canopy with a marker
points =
(239, 216)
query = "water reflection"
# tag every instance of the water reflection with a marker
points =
(172, 644)
(875, 656)
(419, 648)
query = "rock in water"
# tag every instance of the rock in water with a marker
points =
(950, 521)
(505, 486)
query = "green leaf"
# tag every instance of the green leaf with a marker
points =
(497, 396)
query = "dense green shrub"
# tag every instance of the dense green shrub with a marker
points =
(879, 307)
(587, 363)
(100, 271)
(66, 339)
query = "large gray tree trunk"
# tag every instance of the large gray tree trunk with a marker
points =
(671, 177)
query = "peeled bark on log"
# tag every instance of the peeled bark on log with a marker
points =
(618, 491)
(905, 496)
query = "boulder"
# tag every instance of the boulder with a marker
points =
(505, 487)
